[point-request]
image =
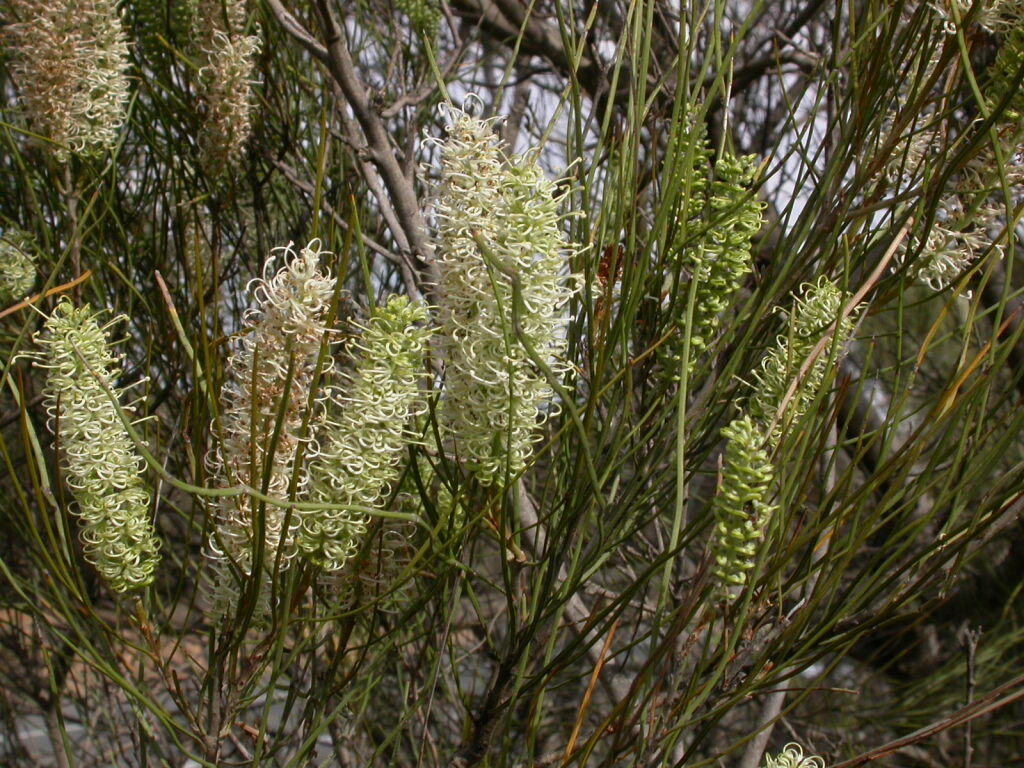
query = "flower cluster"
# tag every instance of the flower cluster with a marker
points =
(792, 756)
(502, 290)
(693, 163)
(989, 14)
(740, 509)
(361, 451)
(817, 308)
(958, 234)
(69, 59)
(946, 252)
(720, 259)
(424, 15)
(227, 80)
(974, 205)
(17, 266)
(103, 469)
(265, 400)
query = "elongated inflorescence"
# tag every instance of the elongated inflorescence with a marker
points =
(363, 446)
(227, 79)
(962, 228)
(720, 258)
(816, 309)
(503, 263)
(740, 509)
(265, 400)
(1003, 73)
(424, 15)
(100, 462)
(69, 59)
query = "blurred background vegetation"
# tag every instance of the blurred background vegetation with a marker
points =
(571, 613)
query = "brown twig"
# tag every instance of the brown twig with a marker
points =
(995, 699)
(411, 231)
(46, 294)
(969, 641)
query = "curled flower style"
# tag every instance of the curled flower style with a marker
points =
(102, 467)
(693, 163)
(989, 14)
(265, 398)
(226, 79)
(17, 266)
(974, 203)
(792, 756)
(953, 244)
(361, 451)
(228, 98)
(502, 290)
(720, 259)
(817, 308)
(740, 508)
(213, 16)
(69, 59)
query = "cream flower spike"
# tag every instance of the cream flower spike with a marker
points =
(226, 79)
(264, 401)
(69, 60)
(17, 266)
(503, 261)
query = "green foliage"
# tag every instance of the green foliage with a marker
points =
(657, 405)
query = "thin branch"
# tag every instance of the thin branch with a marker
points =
(291, 174)
(62, 288)
(293, 27)
(402, 193)
(992, 701)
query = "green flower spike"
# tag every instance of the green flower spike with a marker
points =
(100, 462)
(817, 307)
(792, 756)
(361, 452)
(70, 61)
(740, 509)
(494, 394)
(17, 267)
(722, 257)
(424, 15)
